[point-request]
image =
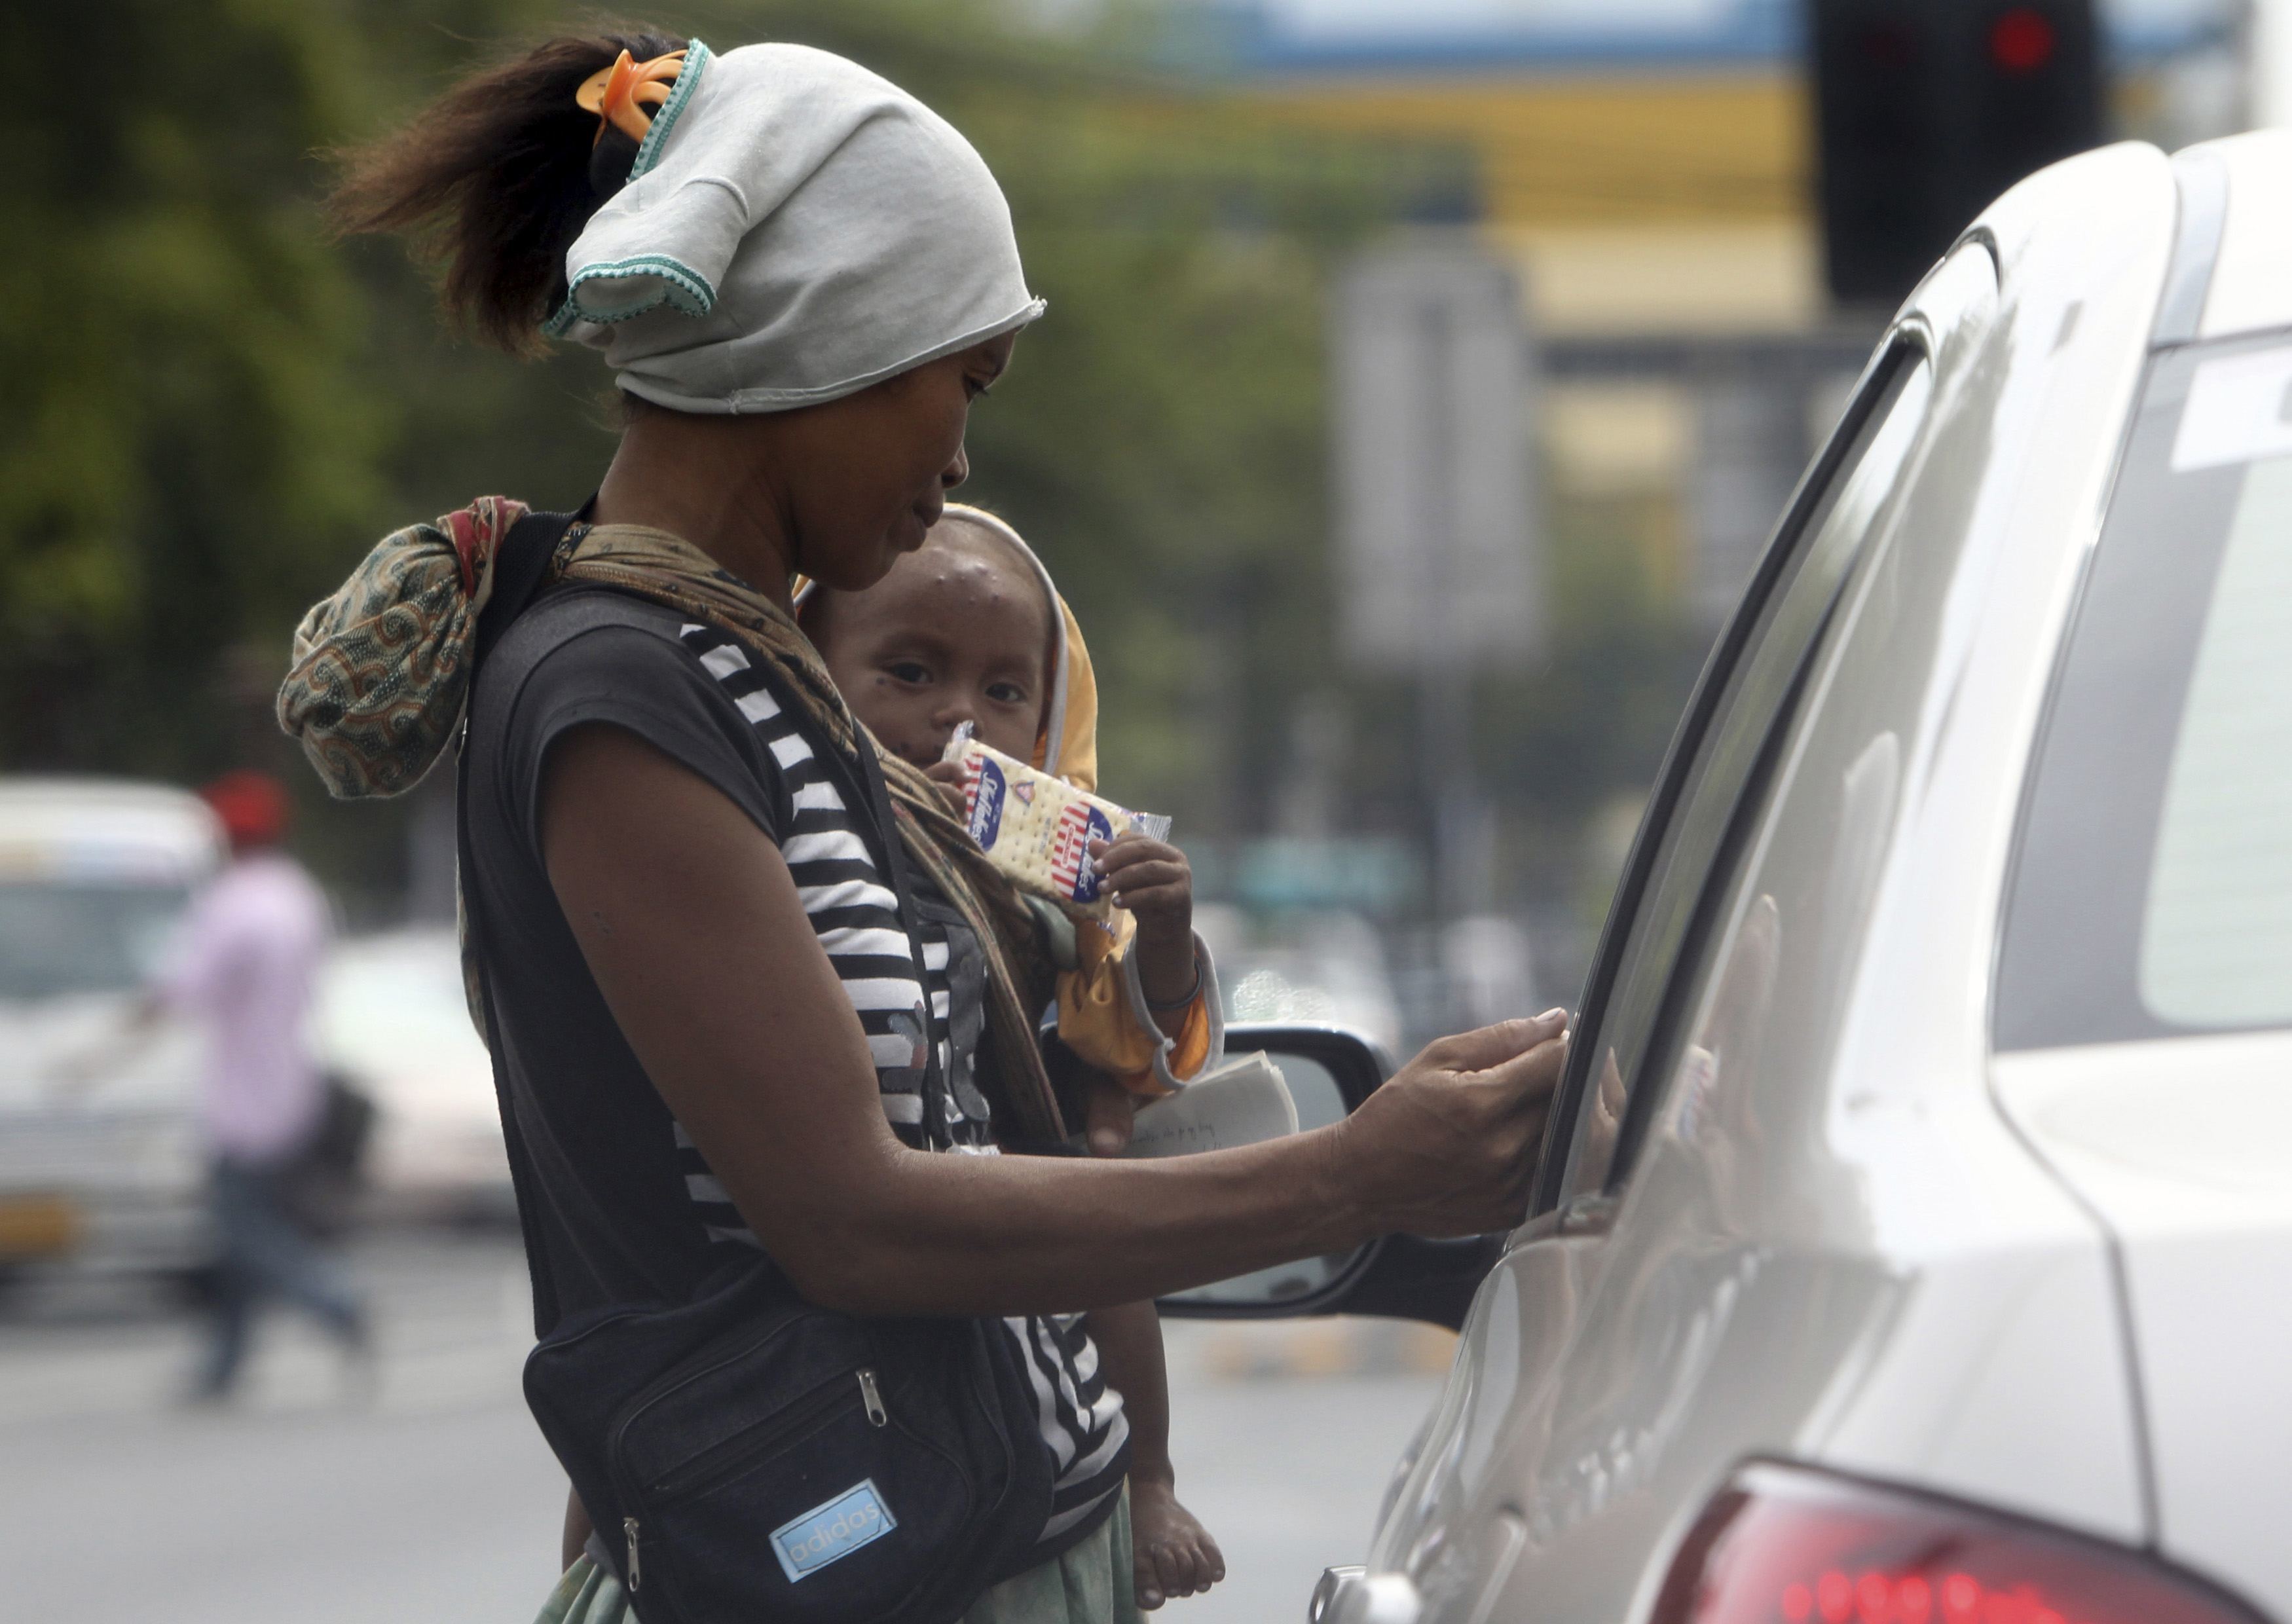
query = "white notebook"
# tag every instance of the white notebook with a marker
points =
(1242, 1102)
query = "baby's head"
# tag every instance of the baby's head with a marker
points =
(961, 630)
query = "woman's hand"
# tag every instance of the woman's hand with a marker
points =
(1448, 1147)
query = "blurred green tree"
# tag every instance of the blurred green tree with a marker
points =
(180, 441)
(1161, 438)
(214, 408)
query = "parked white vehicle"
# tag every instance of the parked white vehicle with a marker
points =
(1914, 1242)
(1321, 967)
(94, 876)
(393, 1023)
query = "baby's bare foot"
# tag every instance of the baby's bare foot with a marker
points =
(1171, 1552)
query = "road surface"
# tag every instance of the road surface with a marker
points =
(429, 1495)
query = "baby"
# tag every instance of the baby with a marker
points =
(970, 629)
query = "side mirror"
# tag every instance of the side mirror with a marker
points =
(1330, 1072)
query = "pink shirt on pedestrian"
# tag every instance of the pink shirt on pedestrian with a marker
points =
(244, 970)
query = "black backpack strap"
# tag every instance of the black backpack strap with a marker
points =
(520, 563)
(520, 567)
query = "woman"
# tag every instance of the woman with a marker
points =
(716, 1027)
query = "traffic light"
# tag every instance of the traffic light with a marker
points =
(1926, 109)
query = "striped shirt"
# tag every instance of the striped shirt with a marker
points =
(855, 913)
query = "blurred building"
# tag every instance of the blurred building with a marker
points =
(1646, 164)
(1646, 171)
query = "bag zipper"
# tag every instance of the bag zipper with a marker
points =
(673, 1382)
(817, 1402)
(711, 1467)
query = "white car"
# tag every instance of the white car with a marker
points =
(393, 1023)
(1316, 967)
(94, 877)
(1914, 1241)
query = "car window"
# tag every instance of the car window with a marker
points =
(1747, 691)
(58, 938)
(2152, 892)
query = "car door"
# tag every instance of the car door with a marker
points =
(1554, 1409)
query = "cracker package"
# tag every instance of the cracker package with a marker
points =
(1037, 829)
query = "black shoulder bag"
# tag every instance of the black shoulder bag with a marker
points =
(753, 1457)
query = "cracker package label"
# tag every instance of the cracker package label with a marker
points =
(1037, 828)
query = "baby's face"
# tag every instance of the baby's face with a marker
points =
(954, 634)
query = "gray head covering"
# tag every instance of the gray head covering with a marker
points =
(794, 228)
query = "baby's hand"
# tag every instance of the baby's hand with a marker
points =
(949, 777)
(1153, 880)
(1172, 1554)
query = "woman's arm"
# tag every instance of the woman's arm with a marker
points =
(691, 925)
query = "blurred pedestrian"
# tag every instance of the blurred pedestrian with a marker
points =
(243, 971)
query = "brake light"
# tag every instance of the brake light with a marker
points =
(2022, 41)
(1784, 1544)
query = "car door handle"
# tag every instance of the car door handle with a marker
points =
(1355, 1596)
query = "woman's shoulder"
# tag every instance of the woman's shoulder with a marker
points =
(591, 644)
(583, 623)
(589, 655)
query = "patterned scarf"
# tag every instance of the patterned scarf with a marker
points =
(380, 678)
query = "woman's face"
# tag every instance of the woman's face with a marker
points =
(867, 475)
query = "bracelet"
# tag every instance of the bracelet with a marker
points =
(1176, 1005)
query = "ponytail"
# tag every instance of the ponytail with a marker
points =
(493, 181)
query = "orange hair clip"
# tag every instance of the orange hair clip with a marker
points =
(613, 93)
